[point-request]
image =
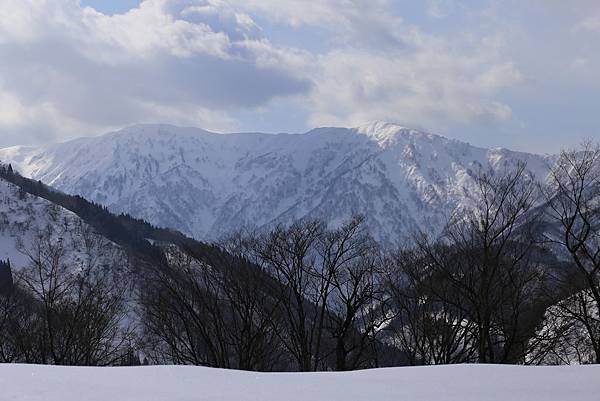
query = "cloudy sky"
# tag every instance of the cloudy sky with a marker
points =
(522, 74)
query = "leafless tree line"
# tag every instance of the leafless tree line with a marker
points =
(300, 297)
(513, 278)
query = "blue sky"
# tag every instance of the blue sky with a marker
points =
(111, 6)
(518, 74)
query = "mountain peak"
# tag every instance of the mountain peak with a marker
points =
(376, 125)
(386, 133)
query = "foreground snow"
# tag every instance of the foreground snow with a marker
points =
(448, 383)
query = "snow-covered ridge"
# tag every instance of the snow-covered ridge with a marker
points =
(449, 383)
(208, 185)
(386, 134)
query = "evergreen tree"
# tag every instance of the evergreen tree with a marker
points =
(6, 279)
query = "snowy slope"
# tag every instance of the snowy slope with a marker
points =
(447, 383)
(207, 184)
(24, 217)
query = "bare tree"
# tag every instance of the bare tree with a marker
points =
(181, 315)
(486, 262)
(20, 327)
(80, 301)
(573, 200)
(328, 288)
(252, 321)
(289, 255)
(357, 305)
(427, 326)
(218, 314)
(561, 337)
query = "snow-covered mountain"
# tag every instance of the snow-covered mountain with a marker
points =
(208, 185)
(31, 226)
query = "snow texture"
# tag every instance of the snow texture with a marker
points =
(441, 383)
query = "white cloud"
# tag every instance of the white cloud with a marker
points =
(590, 23)
(153, 29)
(66, 69)
(384, 68)
(441, 8)
(498, 76)
(353, 22)
(429, 82)
(328, 13)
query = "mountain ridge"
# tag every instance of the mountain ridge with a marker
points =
(208, 185)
